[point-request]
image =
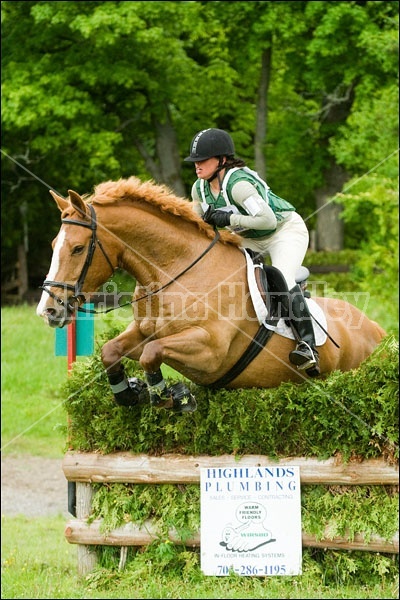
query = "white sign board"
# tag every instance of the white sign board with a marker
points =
(250, 521)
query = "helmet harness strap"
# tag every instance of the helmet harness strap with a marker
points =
(221, 165)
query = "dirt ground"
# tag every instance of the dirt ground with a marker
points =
(33, 486)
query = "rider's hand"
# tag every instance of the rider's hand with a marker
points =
(208, 214)
(218, 218)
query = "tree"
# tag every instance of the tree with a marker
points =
(102, 95)
(343, 65)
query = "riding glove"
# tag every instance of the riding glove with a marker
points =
(218, 218)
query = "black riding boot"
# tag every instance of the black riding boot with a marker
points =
(305, 356)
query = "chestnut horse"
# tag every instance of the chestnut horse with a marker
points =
(192, 309)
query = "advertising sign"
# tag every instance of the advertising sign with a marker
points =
(251, 521)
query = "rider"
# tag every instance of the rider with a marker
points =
(229, 194)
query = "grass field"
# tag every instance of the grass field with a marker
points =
(32, 413)
(37, 562)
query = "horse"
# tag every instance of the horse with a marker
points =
(192, 306)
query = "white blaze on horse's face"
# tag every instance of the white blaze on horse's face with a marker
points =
(54, 267)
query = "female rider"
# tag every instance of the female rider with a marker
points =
(229, 194)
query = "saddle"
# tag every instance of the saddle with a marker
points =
(273, 287)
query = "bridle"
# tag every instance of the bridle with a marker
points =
(78, 297)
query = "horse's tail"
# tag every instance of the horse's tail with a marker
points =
(381, 333)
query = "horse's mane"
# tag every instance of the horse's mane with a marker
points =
(135, 190)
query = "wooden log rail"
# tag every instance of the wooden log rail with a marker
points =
(131, 534)
(124, 467)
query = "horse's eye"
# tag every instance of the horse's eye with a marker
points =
(78, 250)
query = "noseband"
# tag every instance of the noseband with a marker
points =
(78, 297)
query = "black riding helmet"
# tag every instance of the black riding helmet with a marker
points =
(208, 143)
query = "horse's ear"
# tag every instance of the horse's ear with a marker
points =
(77, 202)
(61, 202)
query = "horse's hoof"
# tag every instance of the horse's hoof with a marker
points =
(140, 389)
(160, 401)
(126, 398)
(134, 395)
(183, 399)
(177, 398)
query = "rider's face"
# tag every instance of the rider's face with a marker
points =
(206, 168)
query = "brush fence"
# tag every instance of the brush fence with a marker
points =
(122, 467)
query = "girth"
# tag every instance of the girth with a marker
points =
(274, 291)
(253, 349)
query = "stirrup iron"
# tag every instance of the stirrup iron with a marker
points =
(303, 356)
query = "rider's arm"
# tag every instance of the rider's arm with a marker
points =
(196, 201)
(259, 214)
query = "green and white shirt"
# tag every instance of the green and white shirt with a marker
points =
(257, 210)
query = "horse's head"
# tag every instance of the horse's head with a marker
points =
(75, 267)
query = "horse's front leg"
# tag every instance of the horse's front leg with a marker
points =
(190, 347)
(129, 344)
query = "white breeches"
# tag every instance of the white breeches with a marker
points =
(286, 247)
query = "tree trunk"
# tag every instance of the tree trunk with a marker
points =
(165, 166)
(262, 113)
(168, 153)
(329, 224)
(80, 531)
(22, 272)
(335, 110)
(129, 467)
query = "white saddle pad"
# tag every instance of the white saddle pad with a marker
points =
(281, 328)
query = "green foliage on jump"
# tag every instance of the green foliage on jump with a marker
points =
(352, 413)
(343, 511)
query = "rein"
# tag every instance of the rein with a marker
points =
(77, 288)
(216, 238)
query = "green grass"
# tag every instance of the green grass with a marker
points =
(33, 419)
(37, 562)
